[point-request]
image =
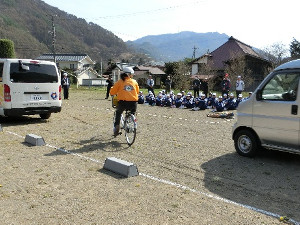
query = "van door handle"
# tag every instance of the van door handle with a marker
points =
(294, 109)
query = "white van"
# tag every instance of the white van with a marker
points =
(29, 87)
(270, 118)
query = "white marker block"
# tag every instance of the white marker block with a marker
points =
(121, 167)
(34, 140)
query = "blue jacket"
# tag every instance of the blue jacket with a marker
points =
(230, 104)
(219, 106)
(202, 104)
(178, 102)
(141, 99)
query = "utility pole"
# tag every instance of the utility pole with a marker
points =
(53, 38)
(194, 52)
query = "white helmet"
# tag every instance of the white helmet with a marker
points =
(128, 70)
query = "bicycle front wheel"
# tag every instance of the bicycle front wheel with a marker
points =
(130, 129)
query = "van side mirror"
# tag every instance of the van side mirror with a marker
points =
(259, 95)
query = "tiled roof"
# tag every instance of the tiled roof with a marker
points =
(63, 57)
(231, 49)
(152, 70)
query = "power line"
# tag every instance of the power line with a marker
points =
(149, 11)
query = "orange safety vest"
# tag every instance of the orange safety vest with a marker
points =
(126, 90)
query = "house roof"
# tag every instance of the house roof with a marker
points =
(233, 48)
(150, 69)
(65, 57)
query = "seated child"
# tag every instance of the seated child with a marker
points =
(151, 100)
(188, 102)
(178, 100)
(219, 106)
(159, 100)
(230, 104)
(167, 100)
(239, 99)
(202, 102)
(141, 98)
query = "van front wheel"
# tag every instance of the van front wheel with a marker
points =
(45, 115)
(246, 144)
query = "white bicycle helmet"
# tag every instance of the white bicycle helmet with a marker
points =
(128, 70)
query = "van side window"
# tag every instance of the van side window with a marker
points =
(1, 71)
(282, 87)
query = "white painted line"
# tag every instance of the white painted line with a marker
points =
(72, 153)
(176, 185)
(215, 197)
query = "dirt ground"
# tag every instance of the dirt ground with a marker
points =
(190, 172)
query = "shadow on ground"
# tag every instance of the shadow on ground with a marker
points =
(105, 144)
(20, 121)
(269, 181)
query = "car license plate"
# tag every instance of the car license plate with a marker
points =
(36, 97)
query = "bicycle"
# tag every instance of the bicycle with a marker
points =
(128, 123)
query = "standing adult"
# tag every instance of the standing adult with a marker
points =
(66, 85)
(168, 84)
(225, 85)
(110, 83)
(196, 86)
(150, 85)
(205, 87)
(239, 86)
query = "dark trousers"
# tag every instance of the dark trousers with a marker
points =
(196, 92)
(66, 92)
(237, 93)
(122, 106)
(151, 89)
(107, 91)
(225, 92)
(205, 91)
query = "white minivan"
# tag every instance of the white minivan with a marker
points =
(270, 118)
(29, 87)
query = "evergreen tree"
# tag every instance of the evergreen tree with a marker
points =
(295, 49)
(7, 49)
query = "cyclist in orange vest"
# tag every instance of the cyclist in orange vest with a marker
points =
(127, 90)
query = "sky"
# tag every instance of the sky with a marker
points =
(259, 23)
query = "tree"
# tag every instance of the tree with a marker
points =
(275, 54)
(237, 66)
(295, 49)
(180, 74)
(7, 49)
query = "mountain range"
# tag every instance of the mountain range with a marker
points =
(34, 26)
(175, 47)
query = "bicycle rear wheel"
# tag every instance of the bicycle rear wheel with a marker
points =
(130, 129)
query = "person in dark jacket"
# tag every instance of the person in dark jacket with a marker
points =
(110, 83)
(168, 84)
(204, 87)
(66, 85)
(196, 87)
(225, 85)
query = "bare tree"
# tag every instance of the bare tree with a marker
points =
(275, 53)
(181, 77)
(237, 66)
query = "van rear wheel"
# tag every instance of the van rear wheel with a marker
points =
(246, 143)
(45, 115)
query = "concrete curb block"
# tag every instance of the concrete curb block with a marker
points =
(34, 140)
(121, 167)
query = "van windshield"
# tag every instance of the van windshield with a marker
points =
(34, 73)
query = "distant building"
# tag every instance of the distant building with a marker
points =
(219, 59)
(141, 73)
(80, 64)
